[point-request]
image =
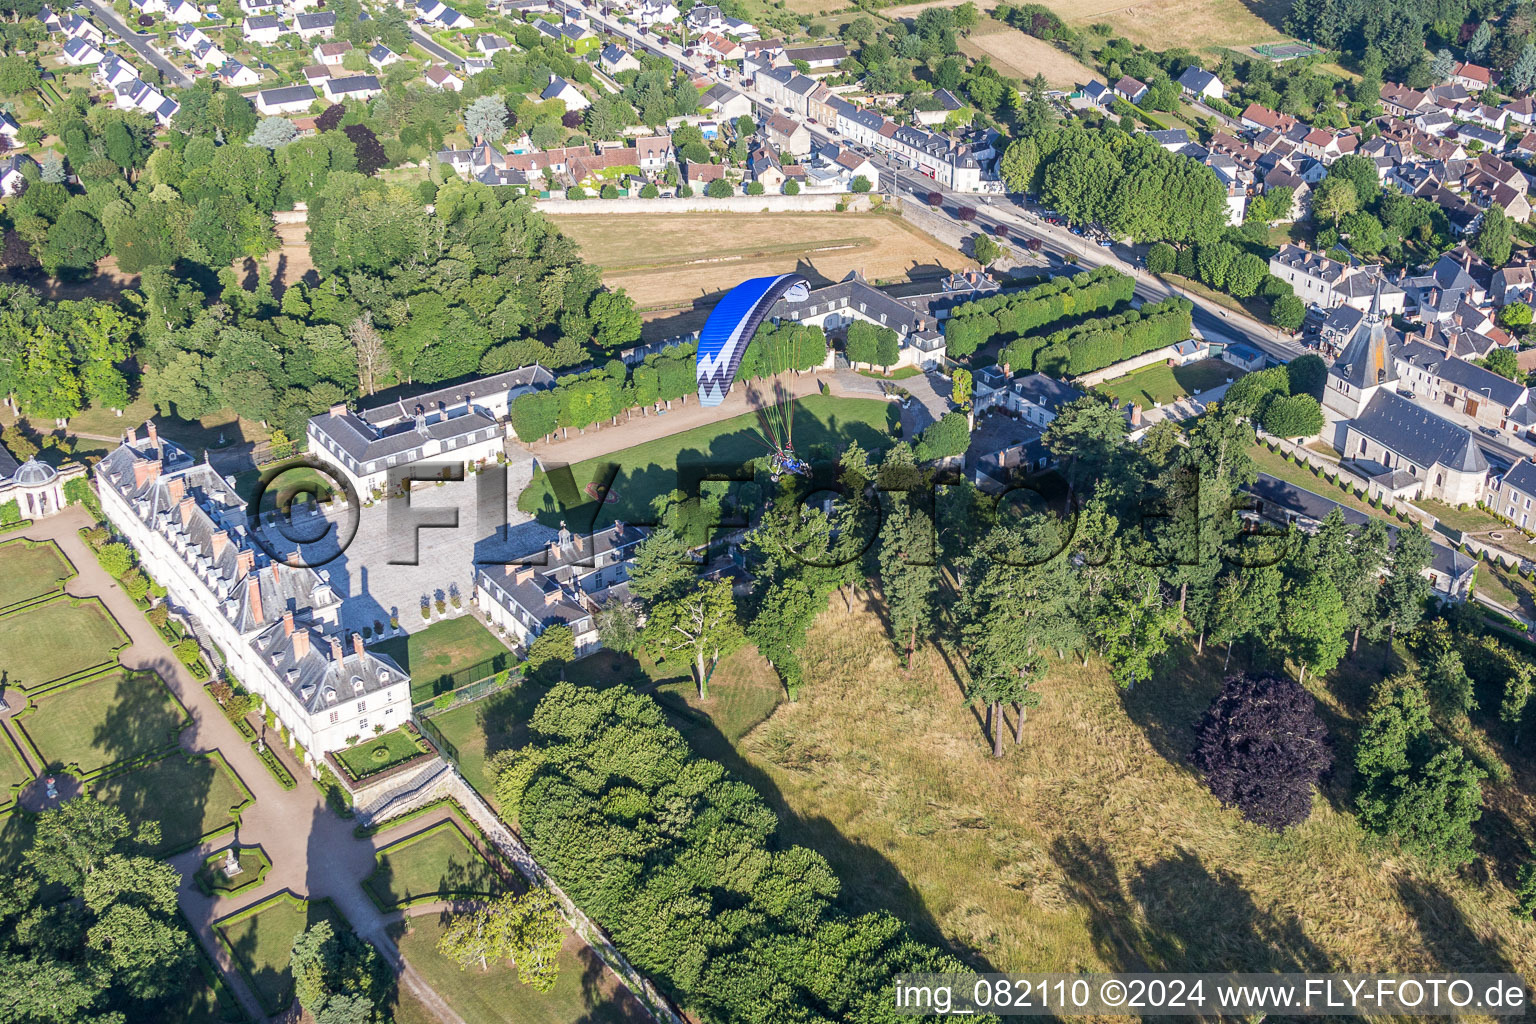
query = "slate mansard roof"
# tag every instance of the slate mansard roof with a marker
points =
(1418, 435)
(450, 412)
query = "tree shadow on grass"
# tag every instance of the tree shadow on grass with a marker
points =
(142, 719)
(1178, 915)
(870, 881)
(1445, 931)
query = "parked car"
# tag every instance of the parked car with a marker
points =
(1106, 243)
(1490, 431)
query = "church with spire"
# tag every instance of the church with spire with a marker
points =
(1365, 366)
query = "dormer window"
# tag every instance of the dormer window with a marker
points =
(357, 684)
(330, 695)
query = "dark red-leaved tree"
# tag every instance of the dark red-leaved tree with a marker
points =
(370, 152)
(571, 119)
(1001, 231)
(966, 213)
(330, 118)
(1262, 748)
(934, 199)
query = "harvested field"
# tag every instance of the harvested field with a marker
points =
(1020, 56)
(667, 261)
(1160, 24)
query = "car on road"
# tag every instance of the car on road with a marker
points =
(1405, 393)
(1490, 431)
(1106, 243)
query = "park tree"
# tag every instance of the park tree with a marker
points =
(1334, 199)
(1495, 238)
(1307, 374)
(274, 133)
(1161, 258)
(1262, 748)
(339, 978)
(948, 437)
(524, 929)
(486, 118)
(1288, 313)
(985, 250)
(549, 653)
(618, 626)
(1293, 416)
(1413, 784)
(1401, 598)
(961, 388)
(719, 189)
(909, 574)
(701, 625)
(662, 569)
(1312, 623)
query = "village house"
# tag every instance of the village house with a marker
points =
(1201, 84)
(288, 99)
(1511, 495)
(332, 54)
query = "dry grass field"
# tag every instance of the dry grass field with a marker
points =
(1021, 56)
(667, 261)
(1160, 24)
(1092, 846)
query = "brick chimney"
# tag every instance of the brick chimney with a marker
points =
(253, 592)
(274, 572)
(301, 645)
(132, 437)
(185, 507)
(336, 649)
(357, 644)
(1135, 411)
(154, 435)
(220, 541)
(144, 472)
(339, 409)
(288, 623)
(245, 561)
(177, 489)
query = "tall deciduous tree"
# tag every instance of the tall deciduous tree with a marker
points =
(700, 625)
(524, 929)
(909, 573)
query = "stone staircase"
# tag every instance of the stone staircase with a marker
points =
(402, 794)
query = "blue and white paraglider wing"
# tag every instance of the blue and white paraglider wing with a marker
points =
(730, 327)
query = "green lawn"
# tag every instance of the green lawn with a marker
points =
(1275, 465)
(437, 863)
(585, 993)
(1509, 589)
(823, 426)
(900, 373)
(1163, 383)
(378, 753)
(190, 797)
(55, 640)
(435, 655)
(31, 569)
(117, 717)
(1468, 520)
(13, 770)
(261, 943)
(285, 482)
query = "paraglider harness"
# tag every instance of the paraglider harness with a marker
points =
(783, 461)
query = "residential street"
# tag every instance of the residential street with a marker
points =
(174, 76)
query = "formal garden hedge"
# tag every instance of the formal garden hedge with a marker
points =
(1104, 341)
(973, 324)
(581, 400)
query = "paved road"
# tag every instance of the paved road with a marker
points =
(1213, 322)
(436, 49)
(175, 78)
